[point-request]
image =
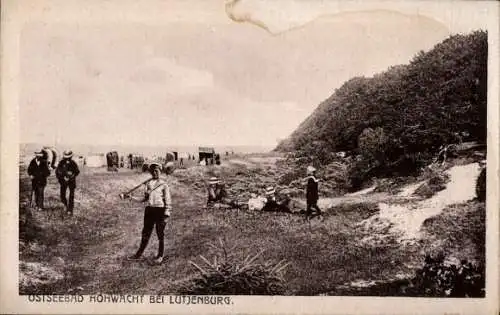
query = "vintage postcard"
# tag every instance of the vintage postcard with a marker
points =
(249, 156)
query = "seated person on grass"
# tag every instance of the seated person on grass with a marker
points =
(273, 204)
(217, 195)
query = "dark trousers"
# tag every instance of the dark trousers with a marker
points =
(68, 203)
(39, 190)
(153, 217)
(312, 205)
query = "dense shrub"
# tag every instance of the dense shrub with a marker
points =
(401, 117)
(437, 279)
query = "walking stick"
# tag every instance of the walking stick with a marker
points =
(31, 197)
(122, 195)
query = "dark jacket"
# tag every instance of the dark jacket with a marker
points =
(274, 206)
(312, 189)
(40, 172)
(63, 171)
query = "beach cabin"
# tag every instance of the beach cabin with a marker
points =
(95, 160)
(206, 153)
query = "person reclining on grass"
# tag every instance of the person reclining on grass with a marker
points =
(274, 205)
(157, 211)
(217, 195)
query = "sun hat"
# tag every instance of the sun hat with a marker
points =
(213, 180)
(270, 190)
(67, 154)
(310, 169)
(154, 166)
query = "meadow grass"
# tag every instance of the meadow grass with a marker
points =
(93, 244)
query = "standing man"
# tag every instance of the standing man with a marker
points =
(158, 209)
(312, 195)
(66, 173)
(38, 170)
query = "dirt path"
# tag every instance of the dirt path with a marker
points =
(105, 230)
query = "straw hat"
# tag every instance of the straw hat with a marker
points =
(270, 190)
(213, 180)
(154, 166)
(67, 154)
(310, 169)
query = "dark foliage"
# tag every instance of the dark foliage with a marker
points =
(397, 120)
(437, 279)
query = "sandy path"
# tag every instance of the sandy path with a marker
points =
(407, 219)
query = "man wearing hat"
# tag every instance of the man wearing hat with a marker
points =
(66, 173)
(312, 195)
(216, 191)
(38, 170)
(159, 205)
(272, 204)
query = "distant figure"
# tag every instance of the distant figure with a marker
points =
(312, 194)
(159, 205)
(217, 159)
(181, 162)
(272, 204)
(66, 173)
(130, 161)
(38, 170)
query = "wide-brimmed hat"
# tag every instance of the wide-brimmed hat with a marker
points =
(270, 190)
(310, 169)
(67, 154)
(213, 180)
(154, 166)
(39, 153)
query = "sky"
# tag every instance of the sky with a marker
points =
(191, 74)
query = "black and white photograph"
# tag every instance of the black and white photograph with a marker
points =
(195, 153)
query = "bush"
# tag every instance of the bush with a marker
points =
(437, 279)
(481, 185)
(226, 275)
(434, 184)
(372, 143)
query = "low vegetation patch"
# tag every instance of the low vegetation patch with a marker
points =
(434, 184)
(226, 274)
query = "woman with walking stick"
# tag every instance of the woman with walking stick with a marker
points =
(159, 205)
